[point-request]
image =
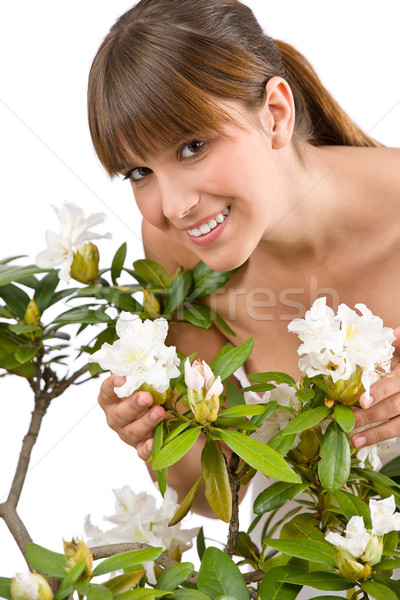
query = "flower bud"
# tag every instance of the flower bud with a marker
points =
(151, 305)
(203, 391)
(307, 450)
(350, 567)
(345, 391)
(164, 399)
(75, 552)
(85, 266)
(373, 551)
(30, 586)
(32, 314)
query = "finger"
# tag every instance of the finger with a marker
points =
(396, 343)
(107, 396)
(381, 411)
(387, 386)
(128, 409)
(385, 431)
(136, 432)
(144, 449)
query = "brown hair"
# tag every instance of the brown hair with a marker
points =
(162, 71)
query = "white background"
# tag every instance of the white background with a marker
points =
(46, 48)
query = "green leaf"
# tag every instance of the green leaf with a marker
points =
(23, 329)
(316, 551)
(186, 504)
(197, 315)
(125, 582)
(16, 299)
(281, 442)
(158, 440)
(276, 495)
(118, 263)
(9, 274)
(218, 491)
(344, 417)
(392, 468)
(241, 411)
(273, 587)
(178, 292)
(270, 408)
(259, 456)
(387, 565)
(172, 452)
(126, 560)
(83, 314)
(378, 591)
(304, 395)
(303, 525)
(321, 580)
(226, 364)
(188, 594)
(174, 576)
(207, 280)
(218, 575)
(259, 387)
(234, 395)
(45, 290)
(26, 352)
(200, 543)
(143, 594)
(223, 326)
(306, 420)
(353, 506)
(5, 588)
(72, 576)
(51, 563)
(98, 592)
(276, 376)
(152, 273)
(379, 479)
(390, 542)
(334, 466)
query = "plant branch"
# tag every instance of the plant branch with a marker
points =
(234, 521)
(15, 525)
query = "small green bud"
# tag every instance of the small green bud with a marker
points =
(164, 399)
(307, 450)
(345, 391)
(350, 567)
(151, 305)
(85, 266)
(75, 552)
(30, 586)
(32, 314)
(373, 551)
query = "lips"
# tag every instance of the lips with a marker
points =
(211, 230)
(209, 225)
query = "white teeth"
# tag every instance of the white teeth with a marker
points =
(212, 223)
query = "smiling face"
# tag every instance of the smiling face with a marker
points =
(216, 196)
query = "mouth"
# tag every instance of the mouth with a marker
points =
(206, 228)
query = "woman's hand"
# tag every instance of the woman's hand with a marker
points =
(384, 404)
(134, 418)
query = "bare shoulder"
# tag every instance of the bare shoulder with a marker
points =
(160, 248)
(382, 169)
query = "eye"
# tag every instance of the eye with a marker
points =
(137, 174)
(191, 148)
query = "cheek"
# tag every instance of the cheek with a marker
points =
(149, 207)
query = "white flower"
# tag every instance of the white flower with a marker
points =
(75, 231)
(372, 453)
(383, 516)
(356, 539)
(204, 390)
(337, 346)
(137, 519)
(140, 355)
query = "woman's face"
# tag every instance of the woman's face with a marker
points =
(217, 197)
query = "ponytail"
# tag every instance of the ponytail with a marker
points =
(321, 120)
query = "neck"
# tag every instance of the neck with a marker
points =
(315, 215)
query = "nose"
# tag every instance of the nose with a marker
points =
(178, 197)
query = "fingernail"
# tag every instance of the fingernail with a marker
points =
(359, 441)
(368, 401)
(142, 401)
(154, 416)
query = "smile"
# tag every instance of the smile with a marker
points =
(209, 225)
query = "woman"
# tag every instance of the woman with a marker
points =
(239, 157)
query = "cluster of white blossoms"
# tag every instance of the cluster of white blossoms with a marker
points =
(137, 519)
(340, 345)
(139, 354)
(204, 390)
(359, 549)
(75, 231)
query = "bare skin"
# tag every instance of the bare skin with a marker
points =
(329, 227)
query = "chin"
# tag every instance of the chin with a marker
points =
(225, 263)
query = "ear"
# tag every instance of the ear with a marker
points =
(278, 112)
